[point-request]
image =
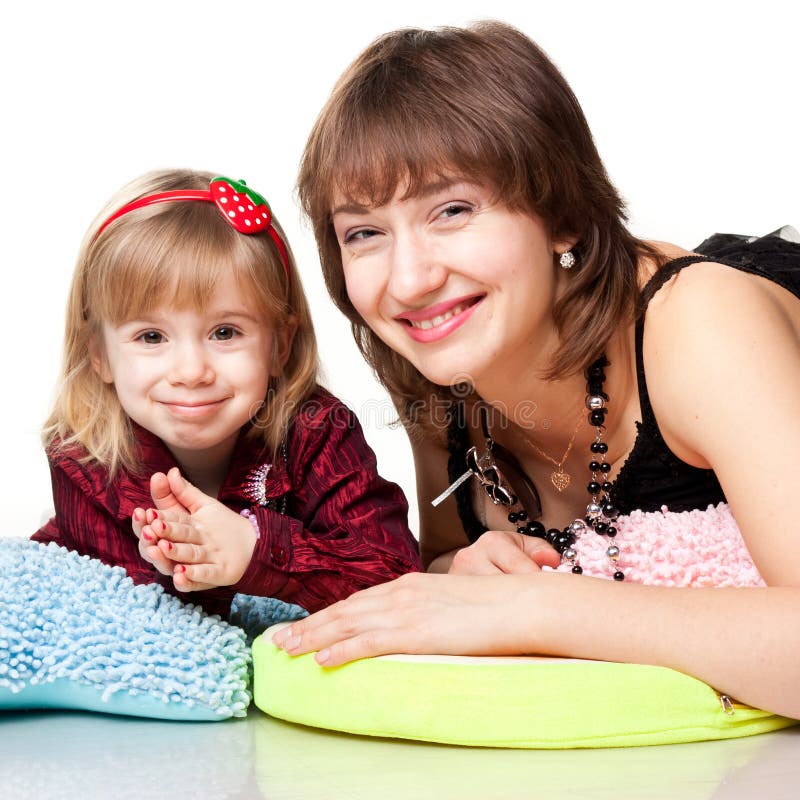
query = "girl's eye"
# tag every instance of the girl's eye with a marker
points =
(224, 333)
(151, 337)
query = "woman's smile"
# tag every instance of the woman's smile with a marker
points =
(440, 320)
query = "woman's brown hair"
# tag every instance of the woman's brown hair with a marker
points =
(174, 253)
(485, 104)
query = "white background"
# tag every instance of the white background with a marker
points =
(693, 105)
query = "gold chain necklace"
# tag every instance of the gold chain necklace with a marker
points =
(559, 477)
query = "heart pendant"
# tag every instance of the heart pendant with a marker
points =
(560, 480)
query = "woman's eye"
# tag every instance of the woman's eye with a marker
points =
(224, 333)
(151, 337)
(360, 235)
(454, 210)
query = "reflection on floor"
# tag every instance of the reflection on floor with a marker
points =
(76, 755)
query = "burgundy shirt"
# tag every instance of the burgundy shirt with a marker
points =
(345, 528)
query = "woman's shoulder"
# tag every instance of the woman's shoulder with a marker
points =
(713, 332)
(725, 268)
(711, 297)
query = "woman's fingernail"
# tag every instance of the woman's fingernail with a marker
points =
(169, 545)
(155, 514)
(280, 637)
(322, 656)
(293, 642)
(138, 514)
(147, 537)
(181, 568)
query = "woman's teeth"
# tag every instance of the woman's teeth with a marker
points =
(427, 324)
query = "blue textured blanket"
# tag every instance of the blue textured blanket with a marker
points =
(75, 633)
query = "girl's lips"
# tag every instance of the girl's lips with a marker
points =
(193, 409)
(440, 320)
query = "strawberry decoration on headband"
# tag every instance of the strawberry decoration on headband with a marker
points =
(244, 210)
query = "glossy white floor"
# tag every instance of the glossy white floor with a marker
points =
(73, 755)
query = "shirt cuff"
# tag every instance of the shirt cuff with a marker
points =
(269, 568)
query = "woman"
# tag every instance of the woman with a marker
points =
(470, 233)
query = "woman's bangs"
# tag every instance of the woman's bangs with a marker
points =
(380, 155)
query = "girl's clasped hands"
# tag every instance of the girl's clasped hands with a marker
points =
(192, 537)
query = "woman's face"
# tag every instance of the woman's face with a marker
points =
(458, 284)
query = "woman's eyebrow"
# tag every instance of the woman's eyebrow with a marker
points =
(434, 187)
(350, 208)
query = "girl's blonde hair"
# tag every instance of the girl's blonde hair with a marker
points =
(174, 252)
(485, 104)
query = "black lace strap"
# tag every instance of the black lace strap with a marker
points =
(668, 271)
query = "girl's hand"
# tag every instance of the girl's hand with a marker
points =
(147, 525)
(208, 546)
(508, 552)
(419, 613)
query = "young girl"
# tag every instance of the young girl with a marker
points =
(468, 229)
(189, 442)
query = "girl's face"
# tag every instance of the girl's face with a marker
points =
(192, 377)
(459, 285)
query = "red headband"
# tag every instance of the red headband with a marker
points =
(245, 210)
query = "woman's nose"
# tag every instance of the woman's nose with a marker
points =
(416, 271)
(190, 365)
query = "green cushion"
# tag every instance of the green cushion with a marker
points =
(521, 702)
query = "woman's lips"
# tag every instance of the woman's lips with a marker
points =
(440, 320)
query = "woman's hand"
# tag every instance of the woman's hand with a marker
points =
(419, 613)
(198, 541)
(507, 552)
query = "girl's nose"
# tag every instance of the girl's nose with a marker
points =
(416, 271)
(191, 366)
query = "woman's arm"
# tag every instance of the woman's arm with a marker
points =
(722, 357)
(723, 364)
(744, 642)
(443, 543)
(440, 532)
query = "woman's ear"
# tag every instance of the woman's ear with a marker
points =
(283, 338)
(97, 356)
(562, 244)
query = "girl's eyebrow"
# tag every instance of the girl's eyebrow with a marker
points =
(234, 313)
(434, 187)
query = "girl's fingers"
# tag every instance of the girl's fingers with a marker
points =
(154, 555)
(183, 553)
(176, 532)
(192, 577)
(138, 521)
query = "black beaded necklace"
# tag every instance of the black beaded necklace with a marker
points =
(600, 511)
